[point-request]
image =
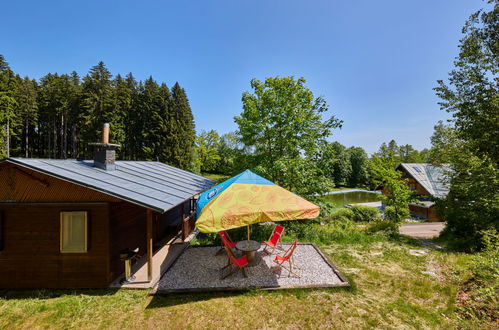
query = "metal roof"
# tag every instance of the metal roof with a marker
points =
(433, 178)
(153, 185)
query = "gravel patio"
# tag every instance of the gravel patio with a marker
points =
(198, 269)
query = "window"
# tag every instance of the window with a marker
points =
(412, 186)
(74, 232)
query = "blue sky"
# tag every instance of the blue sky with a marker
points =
(375, 62)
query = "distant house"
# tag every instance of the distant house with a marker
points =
(426, 180)
(64, 223)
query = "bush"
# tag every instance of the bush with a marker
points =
(481, 289)
(364, 213)
(384, 227)
(396, 214)
(343, 214)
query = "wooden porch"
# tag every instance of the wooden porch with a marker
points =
(161, 261)
(151, 266)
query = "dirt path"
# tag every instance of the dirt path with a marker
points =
(422, 230)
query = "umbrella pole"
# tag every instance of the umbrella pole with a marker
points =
(248, 227)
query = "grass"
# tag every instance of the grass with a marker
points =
(390, 288)
(216, 177)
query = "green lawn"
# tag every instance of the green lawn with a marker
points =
(391, 288)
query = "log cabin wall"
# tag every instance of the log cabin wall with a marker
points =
(19, 184)
(127, 231)
(30, 203)
(31, 256)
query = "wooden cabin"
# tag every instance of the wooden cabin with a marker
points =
(426, 180)
(64, 223)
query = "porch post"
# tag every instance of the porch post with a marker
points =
(149, 245)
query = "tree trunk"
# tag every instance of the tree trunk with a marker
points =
(7, 140)
(26, 138)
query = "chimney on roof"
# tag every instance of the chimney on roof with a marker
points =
(105, 152)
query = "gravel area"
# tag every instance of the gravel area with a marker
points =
(198, 269)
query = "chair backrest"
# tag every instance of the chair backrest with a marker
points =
(276, 234)
(230, 253)
(224, 236)
(289, 252)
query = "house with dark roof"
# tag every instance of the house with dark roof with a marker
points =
(72, 223)
(429, 182)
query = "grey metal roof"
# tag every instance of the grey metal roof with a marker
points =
(433, 178)
(153, 185)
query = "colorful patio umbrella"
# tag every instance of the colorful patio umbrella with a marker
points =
(246, 199)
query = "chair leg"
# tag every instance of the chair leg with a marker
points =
(229, 273)
(290, 271)
(219, 252)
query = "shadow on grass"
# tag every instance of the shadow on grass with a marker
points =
(176, 299)
(49, 294)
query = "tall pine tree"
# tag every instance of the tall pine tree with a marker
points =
(182, 130)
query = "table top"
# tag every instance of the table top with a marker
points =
(248, 245)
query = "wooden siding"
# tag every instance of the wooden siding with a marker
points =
(19, 184)
(127, 224)
(31, 257)
(428, 212)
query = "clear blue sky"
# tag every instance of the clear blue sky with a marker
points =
(375, 62)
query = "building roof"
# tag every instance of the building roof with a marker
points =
(433, 178)
(153, 185)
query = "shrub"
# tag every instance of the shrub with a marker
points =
(396, 214)
(365, 213)
(343, 214)
(384, 227)
(481, 289)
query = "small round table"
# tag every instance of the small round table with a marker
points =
(249, 249)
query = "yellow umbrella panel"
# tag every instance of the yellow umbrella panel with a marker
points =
(247, 199)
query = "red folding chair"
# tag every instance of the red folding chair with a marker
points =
(236, 263)
(287, 257)
(225, 239)
(275, 240)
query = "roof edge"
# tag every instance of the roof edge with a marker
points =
(15, 162)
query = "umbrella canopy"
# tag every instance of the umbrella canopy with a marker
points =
(248, 198)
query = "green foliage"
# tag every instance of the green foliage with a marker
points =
(59, 115)
(472, 204)
(7, 106)
(359, 163)
(208, 145)
(394, 154)
(356, 213)
(182, 130)
(396, 214)
(343, 214)
(472, 97)
(482, 301)
(362, 213)
(334, 161)
(397, 193)
(282, 125)
(444, 144)
(383, 227)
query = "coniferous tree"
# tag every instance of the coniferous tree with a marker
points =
(7, 105)
(181, 129)
(132, 119)
(26, 112)
(59, 115)
(97, 103)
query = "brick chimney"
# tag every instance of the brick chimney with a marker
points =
(105, 152)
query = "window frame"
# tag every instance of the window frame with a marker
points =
(61, 215)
